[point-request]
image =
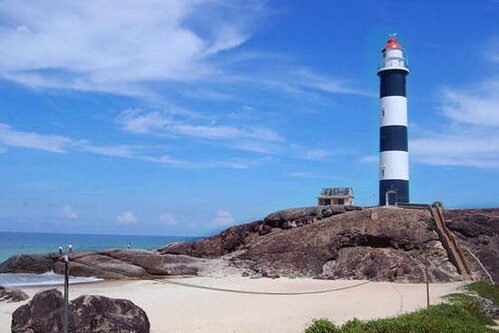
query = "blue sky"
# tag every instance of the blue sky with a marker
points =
(185, 117)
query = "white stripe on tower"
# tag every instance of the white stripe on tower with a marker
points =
(394, 164)
(393, 111)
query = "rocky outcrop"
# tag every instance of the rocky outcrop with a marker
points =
(225, 242)
(236, 237)
(477, 230)
(375, 244)
(109, 264)
(297, 217)
(322, 242)
(87, 314)
(12, 295)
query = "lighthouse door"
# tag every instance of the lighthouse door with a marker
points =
(391, 198)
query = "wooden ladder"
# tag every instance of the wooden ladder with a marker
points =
(449, 241)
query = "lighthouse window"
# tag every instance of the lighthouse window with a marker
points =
(382, 172)
(382, 112)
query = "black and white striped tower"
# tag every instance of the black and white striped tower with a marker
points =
(394, 155)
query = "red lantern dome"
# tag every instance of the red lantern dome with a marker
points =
(392, 43)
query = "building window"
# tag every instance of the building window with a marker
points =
(382, 172)
(382, 112)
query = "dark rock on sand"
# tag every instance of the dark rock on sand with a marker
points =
(12, 295)
(154, 263)
(108, 264)
(87, 314)
(29, 263)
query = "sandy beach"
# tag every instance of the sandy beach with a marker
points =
(179, 308)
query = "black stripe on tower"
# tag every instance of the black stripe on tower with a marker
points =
(401, 187)
(393, 138)
(392, 82)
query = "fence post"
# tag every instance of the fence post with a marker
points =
(426, 279)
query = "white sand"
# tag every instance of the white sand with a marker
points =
(173, 308)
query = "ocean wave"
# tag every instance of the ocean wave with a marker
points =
(44, 279)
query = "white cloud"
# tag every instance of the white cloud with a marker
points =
(68, 212)
(59, 144)
(112, 151)
(259, 147)
(117, 45)
(314, 175)
(308, 79)
(223, 218)
(255, 139)
(137, 121)
(470, 136)
(228, 37)
(143, 49)
(51, 143)
(167, 218)
(476, 107)
(163, 123)
(167, 160)
(370, 158)
(127, 217)
(129, 46)
(248, 138)
(317, 154)
(471, 149)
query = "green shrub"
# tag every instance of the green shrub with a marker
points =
(486, 290)
(353, 326)
(431, 224)
(321, 326)
(442, 318)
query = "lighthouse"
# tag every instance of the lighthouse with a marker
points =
(393, 148)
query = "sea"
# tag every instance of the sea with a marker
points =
(14, 243)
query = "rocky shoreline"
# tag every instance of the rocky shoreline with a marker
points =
(330, 242)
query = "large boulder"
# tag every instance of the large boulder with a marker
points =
(12, 295)
(108, 264)
(29, 263)
(87, 314)
(153, 263)
(101, 266)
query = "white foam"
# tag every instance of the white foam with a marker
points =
(44, 279)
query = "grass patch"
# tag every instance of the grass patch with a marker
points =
(442, 318)
(472, 305)
(486, 290)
